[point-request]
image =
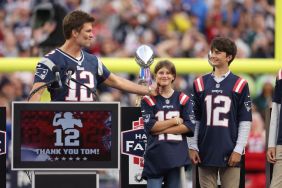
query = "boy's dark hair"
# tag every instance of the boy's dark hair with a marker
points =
(226, 45)
(167, 64)
(74, 21)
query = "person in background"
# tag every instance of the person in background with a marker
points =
(274, 152)
(263, 101)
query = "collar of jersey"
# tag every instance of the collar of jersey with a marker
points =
(219, 79)
(72, 58)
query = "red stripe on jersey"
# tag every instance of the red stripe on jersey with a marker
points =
(183, 99)
(149, 100)
(279, 76)
(199, 84)
(239, 85)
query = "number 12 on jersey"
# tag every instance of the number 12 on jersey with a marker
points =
(213, 113)
(161, 115)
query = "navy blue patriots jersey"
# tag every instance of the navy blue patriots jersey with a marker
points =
(277, 98)
(219, 107)
(89, 71)
(166, 151)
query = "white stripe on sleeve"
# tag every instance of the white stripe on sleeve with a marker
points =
(274, 122)
(243, 134)
(193, 141)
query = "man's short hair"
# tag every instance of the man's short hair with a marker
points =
(74, 21)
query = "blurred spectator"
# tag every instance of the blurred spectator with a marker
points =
(260, 42)
(7, 88)
(214, 23)
(126, 24)
(200, 9)
(47, 26)
(194, 44)
(255, 153)
(9, 44)
(264, 100)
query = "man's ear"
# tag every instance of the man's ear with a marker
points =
(74, 33)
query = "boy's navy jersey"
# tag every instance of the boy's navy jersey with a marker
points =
(88, 70)
(277, 98)
(166, 151)
(219, 107)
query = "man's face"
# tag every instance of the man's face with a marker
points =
(85, 36)
(219, 59)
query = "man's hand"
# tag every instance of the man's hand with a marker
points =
(271, 154)
(194, 156)
(234, 159)
(153, 90)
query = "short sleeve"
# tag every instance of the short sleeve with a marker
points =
(43, 72)
(148, 116)
(188, 116)
(245, 105)
(103, 72)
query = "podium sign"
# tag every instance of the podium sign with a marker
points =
(133, 143)
(56, 136)
(2, 147)
(65, 179)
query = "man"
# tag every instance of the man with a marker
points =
(274, 152)
(87, 68)
(223, 119)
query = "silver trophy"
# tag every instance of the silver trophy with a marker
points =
(144, 57)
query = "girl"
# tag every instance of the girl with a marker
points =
(168, 119)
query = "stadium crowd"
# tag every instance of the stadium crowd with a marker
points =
(173, 28)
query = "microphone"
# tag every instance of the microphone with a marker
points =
(70, 71)
(56, 72)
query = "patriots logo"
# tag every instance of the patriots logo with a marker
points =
(146, 118)
(248, 105)
(41, 73)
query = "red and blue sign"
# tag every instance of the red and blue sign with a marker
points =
(134, 141)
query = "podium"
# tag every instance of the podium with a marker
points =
(64, 144)
(47, 179)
